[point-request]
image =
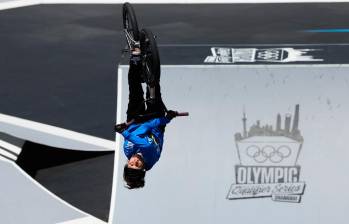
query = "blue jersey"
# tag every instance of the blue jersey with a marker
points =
(147, 139)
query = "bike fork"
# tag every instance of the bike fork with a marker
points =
(130, 41)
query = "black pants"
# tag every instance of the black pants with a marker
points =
(136, 103)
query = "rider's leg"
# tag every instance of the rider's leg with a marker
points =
(155, 105)
(136, 99)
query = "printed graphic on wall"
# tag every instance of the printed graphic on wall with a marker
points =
(268, 161)
(251, 55)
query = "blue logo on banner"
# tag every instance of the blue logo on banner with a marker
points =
(327, 31)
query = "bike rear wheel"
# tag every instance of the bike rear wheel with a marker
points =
(151, 59)
(130, 24)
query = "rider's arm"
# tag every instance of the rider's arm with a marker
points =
(157, 122)
(129, 149)
(146, 127)
(135, 138)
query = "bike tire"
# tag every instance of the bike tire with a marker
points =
(151, 59)
(130, 21)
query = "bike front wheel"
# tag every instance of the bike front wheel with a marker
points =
(130, 24)
(151, 59)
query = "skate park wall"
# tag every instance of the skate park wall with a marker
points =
(262, 144)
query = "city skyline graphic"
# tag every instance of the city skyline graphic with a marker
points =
(257, 129)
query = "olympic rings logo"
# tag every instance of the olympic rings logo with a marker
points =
(269, 54)
(268, 152)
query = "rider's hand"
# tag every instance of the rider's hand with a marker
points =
(136, 51)
(120, 127)
(171, 114)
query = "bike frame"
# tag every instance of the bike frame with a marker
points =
(129, 39)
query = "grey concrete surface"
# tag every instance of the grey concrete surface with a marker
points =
(58, 62)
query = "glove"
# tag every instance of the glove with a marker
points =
(171, 114)
(120, 127)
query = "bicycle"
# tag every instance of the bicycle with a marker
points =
(145, 40)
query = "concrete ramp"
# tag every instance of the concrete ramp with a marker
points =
(51, 135)
(32, 204)
(263, 144)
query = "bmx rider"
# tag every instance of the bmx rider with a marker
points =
(144, 137)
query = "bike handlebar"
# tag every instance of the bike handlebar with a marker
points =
(182, 114)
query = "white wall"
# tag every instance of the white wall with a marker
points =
(192, 179)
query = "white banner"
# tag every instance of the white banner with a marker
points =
(240, 191)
